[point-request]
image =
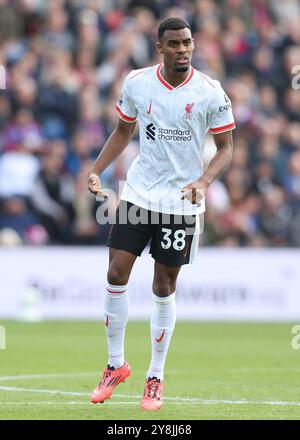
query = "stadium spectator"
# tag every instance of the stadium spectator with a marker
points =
(85, 228)
(53, 194)
(18, 170)
(15, 215)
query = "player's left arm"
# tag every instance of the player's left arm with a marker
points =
(195, 191)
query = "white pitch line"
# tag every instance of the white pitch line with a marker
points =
(60, 392)
(76, 393)
(67, 403)
(263, 370)
(42, 391)
(98, 373)
(61, 375)
(45, 376)
(173, 400)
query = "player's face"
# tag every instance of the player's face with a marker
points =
(177, 47)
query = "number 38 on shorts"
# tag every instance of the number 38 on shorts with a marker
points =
(173, 238)
(176, 244)
(177, 240)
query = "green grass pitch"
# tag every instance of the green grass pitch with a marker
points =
(213, 371)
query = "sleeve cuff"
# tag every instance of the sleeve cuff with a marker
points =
(124, 117)
(223, 128)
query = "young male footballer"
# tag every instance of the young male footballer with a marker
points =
(175, 106)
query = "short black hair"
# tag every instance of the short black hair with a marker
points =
(173, 23)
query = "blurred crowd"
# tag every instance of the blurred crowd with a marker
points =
(65, 62)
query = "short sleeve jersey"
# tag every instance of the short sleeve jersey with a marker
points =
(173, 122)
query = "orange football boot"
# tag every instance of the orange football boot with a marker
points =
(153, 395)
(110, 379)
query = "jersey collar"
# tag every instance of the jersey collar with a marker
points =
(166, 84)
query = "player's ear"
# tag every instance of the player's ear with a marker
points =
(158, 47)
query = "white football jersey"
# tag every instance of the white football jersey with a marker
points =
(173, 122)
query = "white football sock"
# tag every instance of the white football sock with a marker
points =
(115, 320)
(162, 324)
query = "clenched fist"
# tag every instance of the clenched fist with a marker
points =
(94, 186)
(195, 191)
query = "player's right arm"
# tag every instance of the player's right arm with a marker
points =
(115, 144)
(119, 138)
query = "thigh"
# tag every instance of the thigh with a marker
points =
(175, 241)
(128, 234)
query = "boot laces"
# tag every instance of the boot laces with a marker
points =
(152, 388)
(106, 376)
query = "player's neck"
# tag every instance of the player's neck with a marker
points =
(174, 78)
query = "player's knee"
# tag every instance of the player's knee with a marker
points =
(117, 276)
(164, 287)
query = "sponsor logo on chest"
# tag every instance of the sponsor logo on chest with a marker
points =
(167, 134)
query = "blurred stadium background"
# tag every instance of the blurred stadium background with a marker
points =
(65, 62)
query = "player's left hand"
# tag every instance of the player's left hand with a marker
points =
(195, 191)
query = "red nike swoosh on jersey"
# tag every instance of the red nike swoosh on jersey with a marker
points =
(150, 107)
(161, 336)
(106, 322)
(186, 250)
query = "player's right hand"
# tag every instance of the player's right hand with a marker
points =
(94, 186)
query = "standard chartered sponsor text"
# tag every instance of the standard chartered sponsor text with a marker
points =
(176, 134)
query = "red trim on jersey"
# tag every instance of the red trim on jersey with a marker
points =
(166, 84)
(124, 117)
(222, 129)
(188, 78)
(159, 76)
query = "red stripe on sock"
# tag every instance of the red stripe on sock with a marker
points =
(114, 291)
